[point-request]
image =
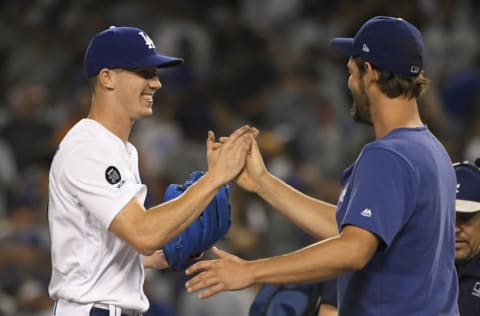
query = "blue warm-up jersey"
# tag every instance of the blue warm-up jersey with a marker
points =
(402, 189)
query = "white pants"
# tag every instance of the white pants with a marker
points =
(66, 308)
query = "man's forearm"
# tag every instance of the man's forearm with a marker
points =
(315, 217)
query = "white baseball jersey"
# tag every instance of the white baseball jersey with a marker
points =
(94, 174)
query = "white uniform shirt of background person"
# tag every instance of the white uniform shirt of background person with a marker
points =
(94, 174)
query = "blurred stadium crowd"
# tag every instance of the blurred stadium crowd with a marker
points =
(265, 63)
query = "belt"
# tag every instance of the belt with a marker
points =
(123, 311)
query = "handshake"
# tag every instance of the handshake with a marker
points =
(232, 158)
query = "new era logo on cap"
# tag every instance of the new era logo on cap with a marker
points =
(124, 47)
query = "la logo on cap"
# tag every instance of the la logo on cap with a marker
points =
(148, 40)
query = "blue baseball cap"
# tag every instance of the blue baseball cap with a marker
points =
(468, 187)
(388, 43)
(124, 47)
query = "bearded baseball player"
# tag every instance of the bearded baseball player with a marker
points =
(102, 236)
(390, 238)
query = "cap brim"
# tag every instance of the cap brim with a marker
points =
(464, 206)
(159, 61)
(343, 45)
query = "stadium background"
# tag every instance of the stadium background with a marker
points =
(265, 63)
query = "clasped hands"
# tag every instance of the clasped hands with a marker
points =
(236, 157)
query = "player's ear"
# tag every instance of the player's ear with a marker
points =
(370, 71)
(105, 78)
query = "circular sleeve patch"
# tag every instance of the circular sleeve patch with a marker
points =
(112, 175)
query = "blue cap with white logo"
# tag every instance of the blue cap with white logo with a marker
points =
(468, 187)
(388, 43)
(124, 47)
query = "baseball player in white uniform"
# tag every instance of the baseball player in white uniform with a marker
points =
(102, 236)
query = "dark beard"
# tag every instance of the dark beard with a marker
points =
(360, 115)
(360, 110)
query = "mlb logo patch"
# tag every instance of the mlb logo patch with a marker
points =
(414, 69)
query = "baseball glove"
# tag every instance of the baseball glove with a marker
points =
(212, 225)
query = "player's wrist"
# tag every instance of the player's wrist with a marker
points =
(253, 272)
(263, 183)
(215, 181)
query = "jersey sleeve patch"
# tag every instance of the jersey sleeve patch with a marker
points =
(112, 175)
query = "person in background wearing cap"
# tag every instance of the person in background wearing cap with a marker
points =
(101, 234)
(387, 260)
(467, 232)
